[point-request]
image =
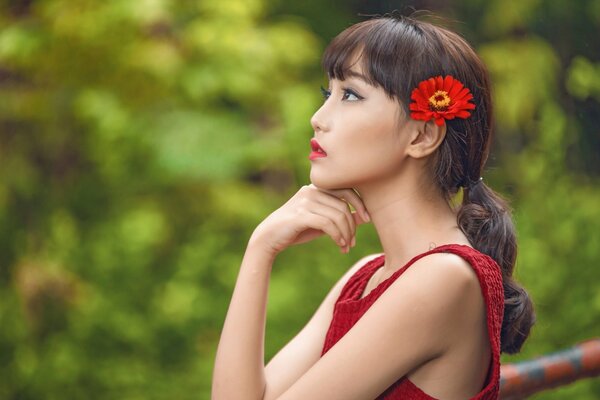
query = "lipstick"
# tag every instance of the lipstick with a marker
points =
(317, 150)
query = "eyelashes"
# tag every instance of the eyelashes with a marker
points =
(347, 93)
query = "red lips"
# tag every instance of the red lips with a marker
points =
(317, 151)
(315, 146)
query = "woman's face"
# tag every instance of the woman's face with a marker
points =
(362, 131)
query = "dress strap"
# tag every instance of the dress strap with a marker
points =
(487, 270)
(359, 278)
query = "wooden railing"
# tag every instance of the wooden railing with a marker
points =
(519, 380)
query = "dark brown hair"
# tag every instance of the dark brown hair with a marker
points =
(397, 53)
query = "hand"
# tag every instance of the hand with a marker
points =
(310, 213)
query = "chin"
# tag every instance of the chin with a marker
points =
(330, 182)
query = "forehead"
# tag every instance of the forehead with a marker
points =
(356, 62)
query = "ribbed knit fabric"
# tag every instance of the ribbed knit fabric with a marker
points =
(350, 307)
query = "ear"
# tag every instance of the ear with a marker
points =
(427, 137)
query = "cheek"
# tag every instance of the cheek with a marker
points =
(366, 149)
(373, 160)
(371, 151)
(376, 136)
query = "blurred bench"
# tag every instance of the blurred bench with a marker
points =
(519, 380)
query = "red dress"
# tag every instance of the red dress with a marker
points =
(350, 307)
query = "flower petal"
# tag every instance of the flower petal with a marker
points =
(448, 83)
(417, 107)
(420, 116)
(455, 90)
(463, 93)
(431, 86)
(439, 83)
(417, 96)
(425, 87)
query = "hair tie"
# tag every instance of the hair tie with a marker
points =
(470, 184)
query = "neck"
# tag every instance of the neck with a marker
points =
(410, 218)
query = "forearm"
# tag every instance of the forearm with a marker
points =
(239, 363)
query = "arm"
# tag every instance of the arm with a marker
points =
(239, 371)
(239, 363)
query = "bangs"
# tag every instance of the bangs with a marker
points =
(387, 49)
(347, 50)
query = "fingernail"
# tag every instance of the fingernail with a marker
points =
(367, 217)
(342, 242)
(353, 243)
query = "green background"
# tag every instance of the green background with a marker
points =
(141, 142)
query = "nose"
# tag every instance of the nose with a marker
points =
(319, 120)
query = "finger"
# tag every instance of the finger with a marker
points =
(326, 225)
(340, 205)
(350, 196)
(358, 219)
(330, 198)
(358, 204)
(340, 218)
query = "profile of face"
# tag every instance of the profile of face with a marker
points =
(363, 131)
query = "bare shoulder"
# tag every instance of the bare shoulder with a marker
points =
(444, 267)
(448, 290)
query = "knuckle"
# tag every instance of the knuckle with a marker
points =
(300, 210)
(303, 202)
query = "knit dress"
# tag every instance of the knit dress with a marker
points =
(349, 307)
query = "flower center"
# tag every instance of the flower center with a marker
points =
(439, 101)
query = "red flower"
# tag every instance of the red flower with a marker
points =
(441, 98)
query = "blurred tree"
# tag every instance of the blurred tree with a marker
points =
(138, 139)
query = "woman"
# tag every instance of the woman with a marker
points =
(406, 123)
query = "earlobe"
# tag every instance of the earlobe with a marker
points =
(428, 136)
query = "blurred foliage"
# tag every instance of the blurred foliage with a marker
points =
(141, 143)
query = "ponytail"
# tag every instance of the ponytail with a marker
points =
(485, 218)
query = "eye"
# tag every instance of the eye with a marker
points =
(326, 93)
(351, 95)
